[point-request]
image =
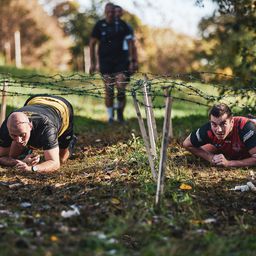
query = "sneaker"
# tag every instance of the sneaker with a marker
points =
(120, 116)
(110, 120)
(111, 114)
(72, 144)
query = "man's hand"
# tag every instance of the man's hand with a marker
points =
(22, 166)
(32, 159)
(220, 160)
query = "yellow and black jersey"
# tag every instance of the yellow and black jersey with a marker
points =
(52, 121)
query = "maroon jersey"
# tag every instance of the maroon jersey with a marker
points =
(236, 145)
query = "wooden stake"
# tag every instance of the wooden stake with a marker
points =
(148, 111)
(144, 136)
(171, 128)
(3, 105)
(7, 47)
(86, 60)
(153, 116)
(164, 146)
(17, 49)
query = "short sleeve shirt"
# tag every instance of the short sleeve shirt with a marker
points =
(46, 123)
(111, 37)
(236, 145)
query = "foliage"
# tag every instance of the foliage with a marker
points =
(15, 17)
(166, 52)
(78, 25)
(230, 39)
(41, 46)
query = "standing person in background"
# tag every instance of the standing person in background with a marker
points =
(113, 62)
(130, 39)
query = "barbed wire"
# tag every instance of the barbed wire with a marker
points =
(196, 88)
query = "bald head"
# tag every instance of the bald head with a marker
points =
(19, 128)
(18, 122)
(17, 119)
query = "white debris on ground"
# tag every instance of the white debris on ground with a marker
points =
(25, 205)
(243, 188)
(252, 175)
(71, 213)
(209, 220)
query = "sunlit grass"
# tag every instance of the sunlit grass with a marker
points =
(110, 182)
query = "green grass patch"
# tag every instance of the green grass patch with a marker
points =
(110, 182)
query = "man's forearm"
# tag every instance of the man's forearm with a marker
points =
(251, 161)
(8, 161)
(48, 166)
(201, 153)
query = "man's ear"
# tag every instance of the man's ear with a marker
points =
(30, 125)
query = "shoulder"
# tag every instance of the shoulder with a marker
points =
(202, 135)
(244, 124)
(246, 128)
(102, 23)
(125, 24)
(99, 24)
(206, 127)
(240, 121)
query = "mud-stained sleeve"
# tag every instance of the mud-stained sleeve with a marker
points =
(248, 135)
(200, 136)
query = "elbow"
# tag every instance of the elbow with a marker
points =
(57, 166)
(185, 144)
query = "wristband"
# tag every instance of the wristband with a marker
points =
(34, 168)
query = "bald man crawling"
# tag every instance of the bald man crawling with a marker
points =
(45, 122)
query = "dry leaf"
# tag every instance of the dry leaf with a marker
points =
(54, 238)
(184, 186)
(115, 201)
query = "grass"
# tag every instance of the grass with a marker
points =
(109, 180)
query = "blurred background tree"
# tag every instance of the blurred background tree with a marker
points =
(41, 45)
(78, 26)
(229, 40)
(57, 39)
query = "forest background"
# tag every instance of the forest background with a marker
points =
(58, 40)
(108, 181)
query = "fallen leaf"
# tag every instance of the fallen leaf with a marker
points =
(54, 238)
(184, 186)
(115, 201)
